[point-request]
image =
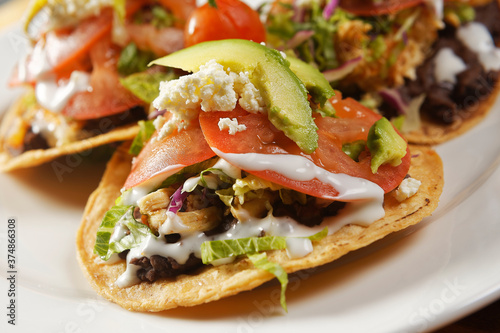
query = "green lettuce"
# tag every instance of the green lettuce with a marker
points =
(259, 260)
(220, 249)
(146, 85)
(136, 232)
(133, 60)
(146, 130)
(254, 248)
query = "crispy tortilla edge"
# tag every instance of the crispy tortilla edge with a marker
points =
(37, 157)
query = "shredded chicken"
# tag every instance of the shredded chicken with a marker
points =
(401, 56)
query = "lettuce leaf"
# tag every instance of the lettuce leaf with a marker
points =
(133, 60)
(254, 248)
(144, 85)
(105, 246)
(146, 130)
(259, 260)
(219, 249)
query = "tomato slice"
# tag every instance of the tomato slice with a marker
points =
(350, 108)
(63, 51)
(373, 8)
(108, 96)
(169, 155)
(231, 19)
(181, 9)
(262, 137)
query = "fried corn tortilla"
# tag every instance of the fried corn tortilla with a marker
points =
(212, 283)
(36, 157)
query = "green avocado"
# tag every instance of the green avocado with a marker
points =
(385, 145)
(318, 86)
(284, 93)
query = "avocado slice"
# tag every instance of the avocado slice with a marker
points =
(385, 145)
(283, 92)
(318, 86)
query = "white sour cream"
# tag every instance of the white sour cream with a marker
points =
(133, 195)
(447, 65)
(301, 169)
(54, 95)
(476, 37)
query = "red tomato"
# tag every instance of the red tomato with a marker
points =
(108, 96)
(181, 9)
(231, 19)
(350, 108)
(262, 137)
(65, 50)
(372, 8)
(169, 155)
(161, 41)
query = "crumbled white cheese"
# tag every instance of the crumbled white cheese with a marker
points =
(212, 88)
(76, 9)
(250, 98)
(231, 125)
(407, 188)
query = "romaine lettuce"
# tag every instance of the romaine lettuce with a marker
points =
(105, 246)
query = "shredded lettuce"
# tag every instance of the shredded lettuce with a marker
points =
(146, 85)
(259, 260)
(219, 249)
(254, 248)
(135, 234)
(145, 132)
(162, 18)
(133, 60)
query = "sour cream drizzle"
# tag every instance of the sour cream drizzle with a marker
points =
(131, 196)
(300, 168)
(54, 95)
(367, 208)
(447, 65)
(476, 37)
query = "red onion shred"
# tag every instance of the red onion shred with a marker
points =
(330, 9)
(342, 71)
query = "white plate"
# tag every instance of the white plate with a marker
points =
(415, 280)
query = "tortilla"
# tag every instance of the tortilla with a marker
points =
(212, 283)
(36, 157)
(432, 133)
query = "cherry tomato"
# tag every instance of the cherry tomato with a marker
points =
(230, 19)
(372, 8)
(169, 155)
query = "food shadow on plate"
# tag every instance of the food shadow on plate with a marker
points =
(68, 179)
